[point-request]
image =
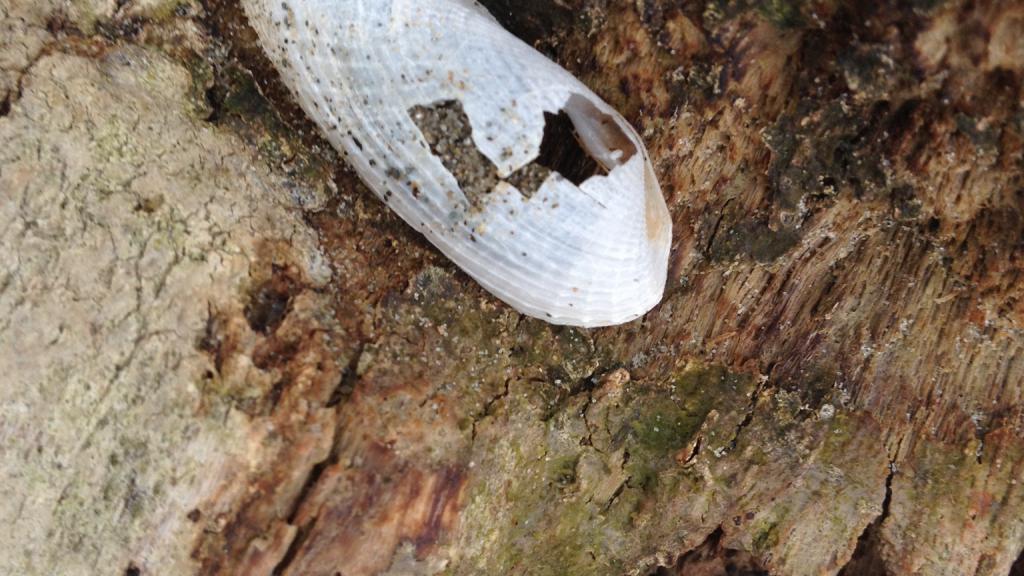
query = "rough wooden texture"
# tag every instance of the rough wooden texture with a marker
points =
(127, 223)
(222, 355)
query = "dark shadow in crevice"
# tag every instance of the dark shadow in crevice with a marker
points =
(5, 106)
(711, 558)
(1018, 566)
(531, 20)
(245, 85)
(561, 152)
(867, 557)
(304, 530)
(315, 474)
(270, 301)
(215, 96)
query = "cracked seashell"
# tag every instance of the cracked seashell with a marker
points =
(514, 169)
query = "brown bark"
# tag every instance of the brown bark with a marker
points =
(833, 383)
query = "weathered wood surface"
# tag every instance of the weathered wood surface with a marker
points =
(221, 355)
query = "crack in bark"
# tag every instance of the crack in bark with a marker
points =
(589, 440)
(50, 46)
(887, 500)
(590, 384)
(14, 95)
(866, 557)
(748, 416)
(1017, 569)
(586, 384)
(347, 382)
(315, 473)
(621, 487)
(696, 449)
(487, 409)
(712, 557)
(718, 224)
(344, 388)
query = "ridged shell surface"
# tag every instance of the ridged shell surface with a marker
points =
(442, 113)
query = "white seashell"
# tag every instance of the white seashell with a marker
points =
(442, 113)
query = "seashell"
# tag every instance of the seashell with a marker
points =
(450, 120)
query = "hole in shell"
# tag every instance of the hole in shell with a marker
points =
(561, 150)
(602, 136)
(446, 128)
(579, 142)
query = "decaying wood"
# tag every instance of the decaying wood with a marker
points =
(222, 355)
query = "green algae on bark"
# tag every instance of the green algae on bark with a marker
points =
(610, 453)
(799, 123)
(837, 374)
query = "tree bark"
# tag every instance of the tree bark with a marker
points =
(222, 355)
